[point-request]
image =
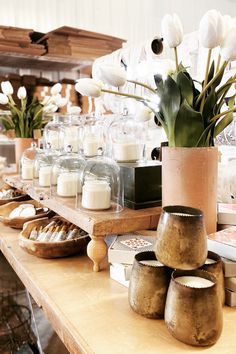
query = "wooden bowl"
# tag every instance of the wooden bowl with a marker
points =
(15, 199)
(50, 249)
(17, 223)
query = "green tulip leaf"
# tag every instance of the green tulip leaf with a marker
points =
(223, 123)
(188, 126)
(169, 105)
(211, 71)
(186, 87)
(209, 106)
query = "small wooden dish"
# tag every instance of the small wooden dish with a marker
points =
(50, 249)
(15, 199)
(18, 222)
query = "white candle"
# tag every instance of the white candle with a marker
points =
(91, 145)
(67, 184)
(27, 171)
(96, 195)
(194, 282)
(45, 176)
(73, 142)
(126, 151)
(210, 261)
(152, 262)
(53, 139)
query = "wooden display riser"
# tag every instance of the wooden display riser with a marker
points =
(90, 312)
(98, 225)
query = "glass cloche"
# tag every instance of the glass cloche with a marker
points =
(68, 169)
(72, 133)
(102, 187)
(43, 168)
(93, 137)
(27, 162)
(126, 139)
(51, 133)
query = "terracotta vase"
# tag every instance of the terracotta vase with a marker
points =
(21, 144)
(189, 178)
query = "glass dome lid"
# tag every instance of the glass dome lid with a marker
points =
(67, 168)
(126, 139)
(101, 186)
(43, 167)
(27, 161)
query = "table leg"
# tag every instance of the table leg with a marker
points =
(96, 251)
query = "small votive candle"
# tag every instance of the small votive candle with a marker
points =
(68, 184)
(27, 171)
(96, 195)
(126, 151)
(210, 261)
(194, 282)
(91, 144)
(45, 176)
(152, 262)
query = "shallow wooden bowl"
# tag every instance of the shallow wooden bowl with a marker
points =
(50, 249)
(17, 223)
(15, 199)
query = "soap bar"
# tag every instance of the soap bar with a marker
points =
(23, 211)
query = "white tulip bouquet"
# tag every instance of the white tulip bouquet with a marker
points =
(190, 112)
(26, 120)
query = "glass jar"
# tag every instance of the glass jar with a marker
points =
(71, 133)
(102, 187)
(93, 137)
(67, 168)
(43, 173)
(126, 138)
(51, 133)
(27, 162)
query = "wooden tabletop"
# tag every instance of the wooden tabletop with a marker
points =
(90, 311)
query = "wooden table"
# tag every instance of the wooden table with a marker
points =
(90, 311)
(98, 225)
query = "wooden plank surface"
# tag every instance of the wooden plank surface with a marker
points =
(90, 311)
(96, 224)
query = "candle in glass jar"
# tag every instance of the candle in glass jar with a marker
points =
(96, 195)
(91, 144)
(126, 151)
(194, 282)
(27, 171)
(45, 176)
(68, 184)
(152, 262)
(210, 261)
(53, 139)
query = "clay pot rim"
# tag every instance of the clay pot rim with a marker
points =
(190, 147)
(188, 212)
(193, 272)
(147, 256)
(216, 257)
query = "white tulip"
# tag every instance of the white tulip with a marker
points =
(228, 24)
(211, 29)
(143, 114)
(89, 87)
(62, 102)
(51, 108)
(3, 98)
(55, 89)
(74, 110)
(113, 75)
(172, 30)
(21, 93)
(46, 100)
(7, 88)
(228, 47)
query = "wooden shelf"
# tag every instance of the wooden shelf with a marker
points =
(90, 312)
(98, 225)
(44, 62)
